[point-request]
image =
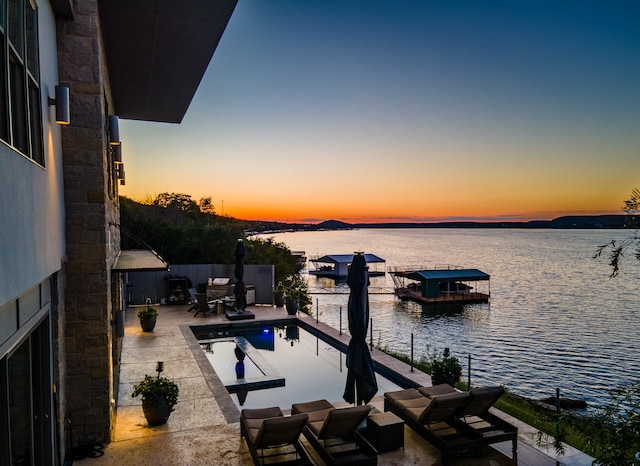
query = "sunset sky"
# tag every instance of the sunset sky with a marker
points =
(368, 110)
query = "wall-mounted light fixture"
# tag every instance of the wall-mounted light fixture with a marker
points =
(62, 105)
(116, 153)
(114, 131)
(120, 172)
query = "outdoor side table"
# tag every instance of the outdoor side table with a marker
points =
(385, 431)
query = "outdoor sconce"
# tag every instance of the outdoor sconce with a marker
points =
(116, 153)
(114, 131)
(120, 172)
(62, 105)
(119, 323)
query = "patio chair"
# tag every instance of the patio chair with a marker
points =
(435, 419)
(192, 299)
(333, 432)
(203, 306)
(477, 416)
(276, 436)
(493, 429)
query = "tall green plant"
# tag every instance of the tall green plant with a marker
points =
(619, 438)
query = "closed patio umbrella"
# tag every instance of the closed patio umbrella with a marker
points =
(240, 290)
(361, 380)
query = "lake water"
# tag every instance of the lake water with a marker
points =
(555, 319)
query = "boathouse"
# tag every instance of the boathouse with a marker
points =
(440, 285)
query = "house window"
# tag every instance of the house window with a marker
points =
(21, 115)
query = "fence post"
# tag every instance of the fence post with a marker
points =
(371, 334)
(469, 374)
(317, 309)
(340, 320)
(557, 414)
(411, 365)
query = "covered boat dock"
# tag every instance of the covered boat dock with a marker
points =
(451, 284)
(337, 265)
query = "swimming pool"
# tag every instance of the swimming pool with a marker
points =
(283, 364)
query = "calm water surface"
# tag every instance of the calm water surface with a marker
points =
(555, 319)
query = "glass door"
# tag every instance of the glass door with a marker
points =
(26, 394)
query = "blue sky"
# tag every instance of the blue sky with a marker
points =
(407, 111)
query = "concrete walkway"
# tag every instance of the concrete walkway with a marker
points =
(204, 428)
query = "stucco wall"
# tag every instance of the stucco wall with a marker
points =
(32, 207)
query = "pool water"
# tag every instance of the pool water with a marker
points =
(311, 368)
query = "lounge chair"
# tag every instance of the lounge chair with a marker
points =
(475, 414)
(492, 428)
(435, 419)
(333, 432)
(267, 429)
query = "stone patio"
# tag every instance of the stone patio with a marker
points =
(204, 428)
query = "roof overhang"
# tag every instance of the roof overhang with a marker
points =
(158, 51)
(139, 260)
(62, 8)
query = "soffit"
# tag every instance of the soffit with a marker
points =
(62, 8)
(158, 51)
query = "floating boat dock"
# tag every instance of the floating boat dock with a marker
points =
(337, 265)
(441, 285)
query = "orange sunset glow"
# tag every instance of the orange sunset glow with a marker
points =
(514, 111)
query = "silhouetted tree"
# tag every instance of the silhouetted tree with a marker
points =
(617, 249)
(176, 227)
(206, 205)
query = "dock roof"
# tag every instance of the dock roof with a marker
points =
(447, 275)
(346, 258)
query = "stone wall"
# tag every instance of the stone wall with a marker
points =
(92, 242)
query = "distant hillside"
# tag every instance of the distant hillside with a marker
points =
(566, 222)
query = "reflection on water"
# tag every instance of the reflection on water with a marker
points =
(312, 368)
(555, 319)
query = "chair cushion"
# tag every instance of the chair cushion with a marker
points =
(317, 410)
(252, 418)
(443, 407)
(400, 395)
(480, 400)
(440, 389)
(341, 422)
(277, 431)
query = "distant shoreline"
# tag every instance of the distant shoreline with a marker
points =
(566, 222)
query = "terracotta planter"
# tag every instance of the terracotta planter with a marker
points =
(158, 414)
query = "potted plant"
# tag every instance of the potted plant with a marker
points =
(445, 369)
(278, 295)
(159, 396)
(147, 316)
(296, 294)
